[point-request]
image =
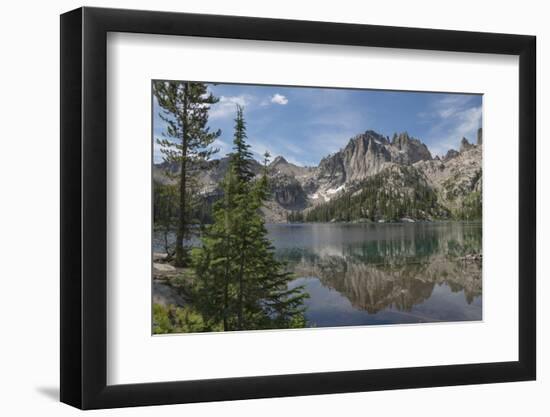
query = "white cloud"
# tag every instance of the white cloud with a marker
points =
(279, 99)
(332, 141)
(451, 129)
(446, 113)
(227, 105)
(452, 105)
(260, 147)
(452, 117)
(455, 99)
(278, 147)
(466, 123)
(470, 120)
(441, 148)
(222, 147)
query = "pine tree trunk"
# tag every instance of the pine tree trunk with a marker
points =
(182, 218)
(227, 228)
(226, 288)
(241, 287)
(166, 245)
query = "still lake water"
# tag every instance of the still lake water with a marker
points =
(364, 274)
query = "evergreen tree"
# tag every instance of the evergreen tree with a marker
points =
(241, 156)
(389, 195)
(213, 262)
(186, 142)
(165, 209)
(240, 282)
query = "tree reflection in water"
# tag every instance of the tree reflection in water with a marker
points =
(387, 268)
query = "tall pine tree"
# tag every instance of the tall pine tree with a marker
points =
(239, 281)
(186, 142)
(165, 209)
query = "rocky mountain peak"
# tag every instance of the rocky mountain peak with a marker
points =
(279, 160)
(280, 166)
(361, 142)
(400, 140)
(408, 150)
(376, 137)
(465, 145)
(451, 153)
(296, 188)
(367, 154)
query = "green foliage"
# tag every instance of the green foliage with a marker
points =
(165, 207)
(186, 142)
(173, 319)
(239, 282)
(471, 242)
(240, 158)
(295, 217)
(471, 207)
(185, 107)
(390, 196)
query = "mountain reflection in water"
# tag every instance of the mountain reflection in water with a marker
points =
(359, 274)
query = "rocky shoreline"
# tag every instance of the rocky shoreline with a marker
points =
(472, 257)
(404, 220)
(169, 283)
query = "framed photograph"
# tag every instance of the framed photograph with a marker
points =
(258, 208)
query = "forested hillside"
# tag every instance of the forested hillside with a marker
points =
(399, 192)
(372, 178)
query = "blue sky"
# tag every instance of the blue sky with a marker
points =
(306, 124)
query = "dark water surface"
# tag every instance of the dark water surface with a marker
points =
(361, 274)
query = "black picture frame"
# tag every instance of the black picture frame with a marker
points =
(84, 207)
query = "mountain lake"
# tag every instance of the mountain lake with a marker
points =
(383, 273)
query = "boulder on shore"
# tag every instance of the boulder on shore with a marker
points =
(471, 257)
(159, 256)
(161, 271)
(166, 295)
(163, 267)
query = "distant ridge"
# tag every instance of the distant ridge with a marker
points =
(454, 178)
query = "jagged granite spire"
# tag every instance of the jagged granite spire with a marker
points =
(278, 160)
(294, 188)
(465, 145)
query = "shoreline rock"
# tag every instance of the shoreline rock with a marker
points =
(164, 270)
(160, 257)
(166, 295)
(471, 257)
